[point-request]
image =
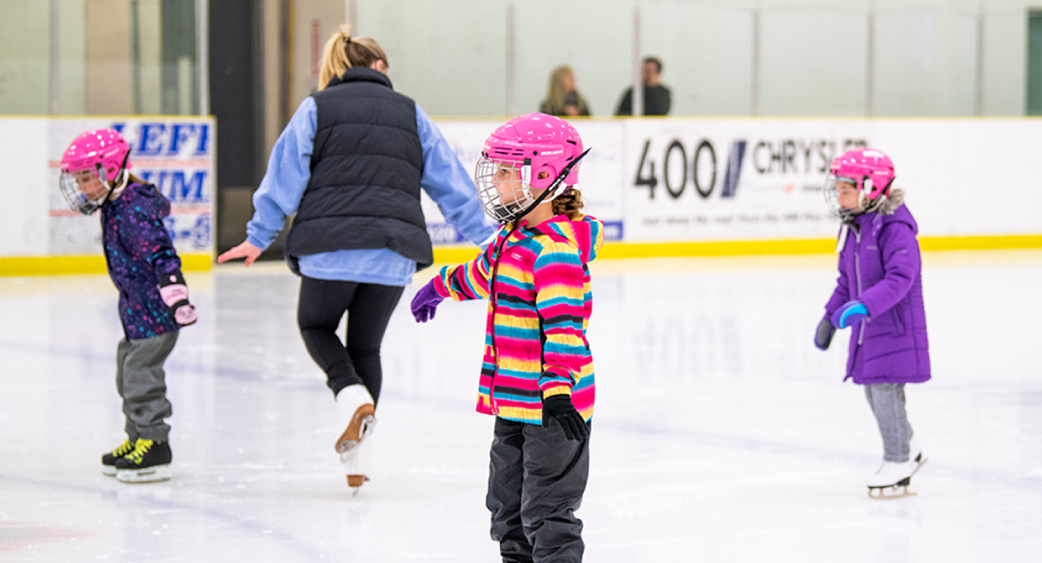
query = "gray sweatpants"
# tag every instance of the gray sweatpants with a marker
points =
(536, 482)
(888, 405)
(141, 383)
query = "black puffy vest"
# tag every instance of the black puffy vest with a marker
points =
(364, 191)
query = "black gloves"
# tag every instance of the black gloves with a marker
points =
(560, 408)
(823, 336)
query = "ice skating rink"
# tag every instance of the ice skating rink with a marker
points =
(721, 434)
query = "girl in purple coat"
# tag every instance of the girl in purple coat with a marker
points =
(879, 295)
(153, 297)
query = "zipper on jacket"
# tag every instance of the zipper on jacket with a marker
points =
(494, 299)
(857, 271)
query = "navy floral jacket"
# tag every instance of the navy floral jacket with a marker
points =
(139, 252)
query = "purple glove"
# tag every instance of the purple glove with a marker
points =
(426, 302)
(849, 314)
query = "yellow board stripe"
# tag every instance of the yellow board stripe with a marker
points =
(53, 265)
(56, 265)
(449, 255)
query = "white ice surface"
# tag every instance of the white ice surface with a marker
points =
(721, 434)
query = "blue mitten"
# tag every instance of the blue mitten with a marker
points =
(848, 314)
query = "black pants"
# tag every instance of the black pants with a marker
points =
(536, 482)
(369, 306)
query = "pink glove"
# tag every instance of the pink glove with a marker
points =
(175, 294)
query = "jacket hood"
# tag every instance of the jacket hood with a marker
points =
(147, 195)
(889, 204)
(585, 233)
(890, 210)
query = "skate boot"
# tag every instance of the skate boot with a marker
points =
(356, 466)
(356, 414)
(108, 459)
(893, 478)
(915, 453)
(148, 463)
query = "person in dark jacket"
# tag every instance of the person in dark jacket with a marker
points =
(657, 98)
(879, 295)
(153, 297)
(350, 166)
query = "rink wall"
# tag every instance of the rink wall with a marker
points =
(747, 186)
(663, 186)
(41, 235)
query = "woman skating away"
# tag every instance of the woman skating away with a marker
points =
(350, 166)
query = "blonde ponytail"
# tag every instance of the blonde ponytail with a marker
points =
(343, 52)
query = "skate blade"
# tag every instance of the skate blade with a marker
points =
(360, 428)
(108, 470)
(149, 475)
(890, 493)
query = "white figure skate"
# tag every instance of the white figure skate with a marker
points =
(892, 479)
(356, 414)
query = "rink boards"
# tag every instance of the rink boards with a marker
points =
(663, 187)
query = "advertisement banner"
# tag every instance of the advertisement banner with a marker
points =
(599, 173)
(174, 154)
(704, 180)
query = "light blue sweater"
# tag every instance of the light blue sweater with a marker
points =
(289, 169)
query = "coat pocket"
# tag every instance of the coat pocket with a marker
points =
(899, 317)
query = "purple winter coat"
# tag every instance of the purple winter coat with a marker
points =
(880, 267)
(138, 250)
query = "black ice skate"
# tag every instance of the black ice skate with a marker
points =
(148, 463)
(892, 479)
(108, 459)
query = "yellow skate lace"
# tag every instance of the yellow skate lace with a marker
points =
(124, 448)
(140, 449)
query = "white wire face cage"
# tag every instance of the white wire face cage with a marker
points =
(504, 188)
(75, 186)
(831, 192)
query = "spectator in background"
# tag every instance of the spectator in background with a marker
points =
(562, 99)
(656, 96)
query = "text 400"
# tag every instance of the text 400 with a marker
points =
(675, 187)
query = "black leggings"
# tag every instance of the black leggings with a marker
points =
(369, 307)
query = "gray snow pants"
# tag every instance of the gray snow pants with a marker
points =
(888, 405)
(536, 482)
(141, 383)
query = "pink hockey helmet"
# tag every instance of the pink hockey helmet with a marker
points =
(870, 171)
(533, 151)
(90, 167)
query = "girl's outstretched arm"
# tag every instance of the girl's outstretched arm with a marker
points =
(469, 280)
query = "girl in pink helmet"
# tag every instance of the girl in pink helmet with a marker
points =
(153, 297)
(537, 375)
(879, 295)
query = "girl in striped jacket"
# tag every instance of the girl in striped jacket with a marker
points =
(537, 374)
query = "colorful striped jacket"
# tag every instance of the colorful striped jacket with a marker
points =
(540, 305)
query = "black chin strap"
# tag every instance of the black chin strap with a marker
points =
(557, 182)
(122, 170)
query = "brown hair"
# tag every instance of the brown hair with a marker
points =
(343, 52)
(555, 92)
(569, 203)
